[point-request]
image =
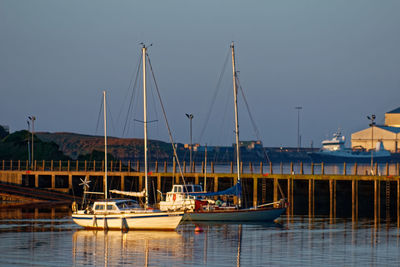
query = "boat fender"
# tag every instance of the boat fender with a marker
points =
(174, 197)
(74, 206)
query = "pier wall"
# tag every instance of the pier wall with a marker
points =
(334, 195)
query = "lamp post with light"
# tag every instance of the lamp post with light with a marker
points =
(298, 127)
(32, 119)
(190, 117)
(372, 119)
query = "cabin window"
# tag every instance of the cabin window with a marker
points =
(110, 207)
(99, 207)
(187, 189)
(178, 189)
(127, 205)
(197, 188)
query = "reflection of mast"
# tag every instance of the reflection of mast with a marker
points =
(105, 249)
(146, 262)
(239, 246)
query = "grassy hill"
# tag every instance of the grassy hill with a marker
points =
(15, 147)
(73, 145)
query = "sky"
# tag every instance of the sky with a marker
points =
(339, 60)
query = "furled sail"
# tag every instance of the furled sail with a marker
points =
(129, 193)
(232, 191)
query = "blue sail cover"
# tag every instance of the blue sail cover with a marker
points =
(233, 191)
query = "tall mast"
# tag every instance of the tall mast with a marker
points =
(236, 118)
(105, 146)
(144, 49)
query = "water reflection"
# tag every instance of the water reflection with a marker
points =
(49, 240)
(111, 248)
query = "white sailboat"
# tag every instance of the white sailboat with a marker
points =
(186, 197)
(125, 213)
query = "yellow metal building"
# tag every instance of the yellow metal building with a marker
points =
(388, 134)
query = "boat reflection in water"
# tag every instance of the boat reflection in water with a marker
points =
(160, 248)
(113, 248)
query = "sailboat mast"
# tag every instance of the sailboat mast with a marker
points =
(236, 117)
(105, 146)
(144, 49)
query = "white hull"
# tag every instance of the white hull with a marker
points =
(130, 221)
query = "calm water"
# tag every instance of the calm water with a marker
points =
(43, 238)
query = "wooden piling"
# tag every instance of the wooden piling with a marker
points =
(270, 168)
(255, 191)
(331, 200)
(311, 197)
(122, 182)
(398, 203)
(158, 187)
(354, 200)
(216, 184)
(275, 195)
(288, 196)
(375, 200)
(53, 181)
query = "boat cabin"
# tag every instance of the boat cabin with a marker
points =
(179, 188)
(114, 205)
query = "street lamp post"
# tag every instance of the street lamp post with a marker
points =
(372, 119)
(298, 128)
(29, 146)
(190, 117)
(32, 118)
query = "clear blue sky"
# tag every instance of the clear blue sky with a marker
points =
(339, 60)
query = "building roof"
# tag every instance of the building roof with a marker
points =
(397, 110)
(389, 128)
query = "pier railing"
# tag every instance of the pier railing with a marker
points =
(298, 168)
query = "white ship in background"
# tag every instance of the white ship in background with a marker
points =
(334, 151)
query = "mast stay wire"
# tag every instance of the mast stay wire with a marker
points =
(253, 123)
(217, 88)
(132, 96)
(166, 120)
